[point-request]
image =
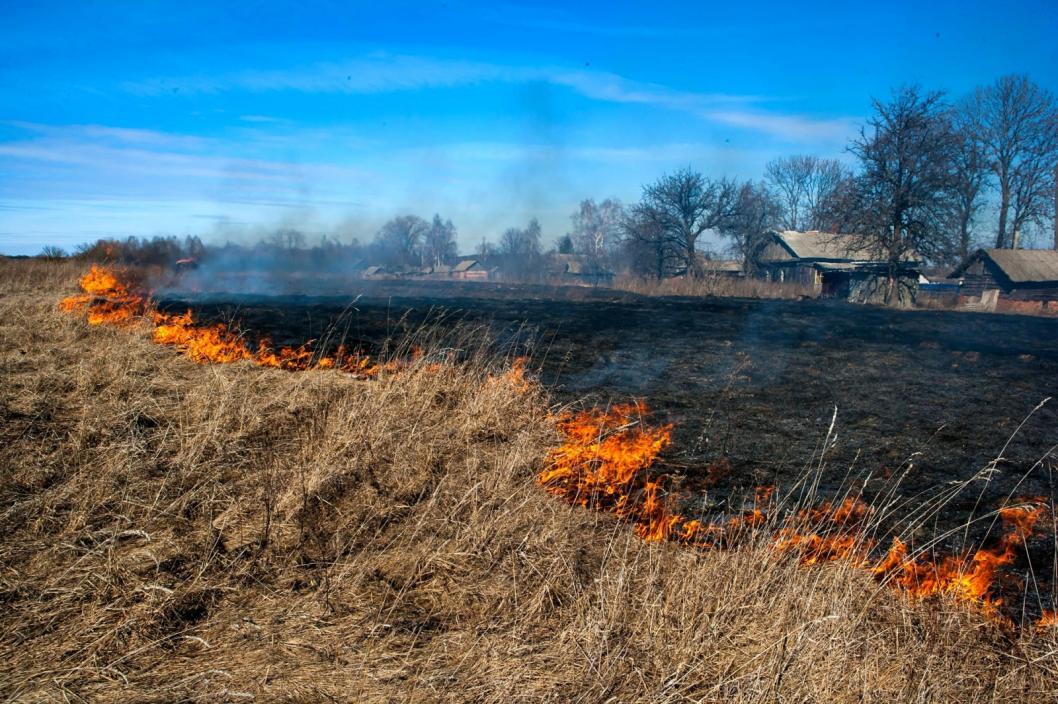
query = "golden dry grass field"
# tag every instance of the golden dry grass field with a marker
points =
(171, 531)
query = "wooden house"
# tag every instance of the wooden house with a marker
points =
(469, 270)
(1017, 274)
(834, 265)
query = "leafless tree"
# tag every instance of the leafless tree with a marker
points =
(520, 249)
(804, 186)
(287, 238)
(903, 196)
(439, 242)
(647, 248)
(683, 206)
(597, 228)
(53, 253)
(757, 212)
(970, 177)
(399, 241)
(486, 251)
(1016, 122)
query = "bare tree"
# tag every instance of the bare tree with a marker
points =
(439, 242)
(486, 251)
(757, 212)
(287, 238)
(804, 186)
(520, 249)
(970, 177)
(903, 196)
(1016, 123)
(53, 252)
(649, 250)
(399, 241)
(683, 206)
(597, 228)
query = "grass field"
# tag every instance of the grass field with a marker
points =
(175, 531)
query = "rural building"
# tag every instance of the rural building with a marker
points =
(578, 269)
(469, 270)
(1011, 275)
(834, 265)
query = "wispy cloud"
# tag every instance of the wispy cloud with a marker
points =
(791, 127)
(105, 133)
(383, 73)
(90, 159)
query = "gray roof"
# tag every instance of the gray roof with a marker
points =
(830, 246)
(1021, 266)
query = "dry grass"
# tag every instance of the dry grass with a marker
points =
(714, 285)
(177, 532)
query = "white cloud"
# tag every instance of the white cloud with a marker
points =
(381, 73)
(790, 127)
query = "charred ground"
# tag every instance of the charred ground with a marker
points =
(746, 382)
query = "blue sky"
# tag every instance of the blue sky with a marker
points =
(121, 118)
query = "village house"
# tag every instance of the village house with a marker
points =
(834, 265)
(577, 269)
(469, 270)
(1011, 280)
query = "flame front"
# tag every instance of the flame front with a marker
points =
(605, 460)
(969, 578)
(107, 300)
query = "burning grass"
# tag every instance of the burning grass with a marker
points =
(107, 298)
(605, 463)
(177, 531)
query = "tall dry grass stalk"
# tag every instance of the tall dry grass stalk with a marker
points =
(174, 532)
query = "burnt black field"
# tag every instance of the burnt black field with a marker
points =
(932, 397)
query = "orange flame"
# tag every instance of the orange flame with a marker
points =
(515, 376)
(604, 464)
(106, 299)
(969, 578)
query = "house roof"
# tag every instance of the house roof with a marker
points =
(371, 270)
(1021, 266)
(824, 245)
(465, 265)
(827, 246)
